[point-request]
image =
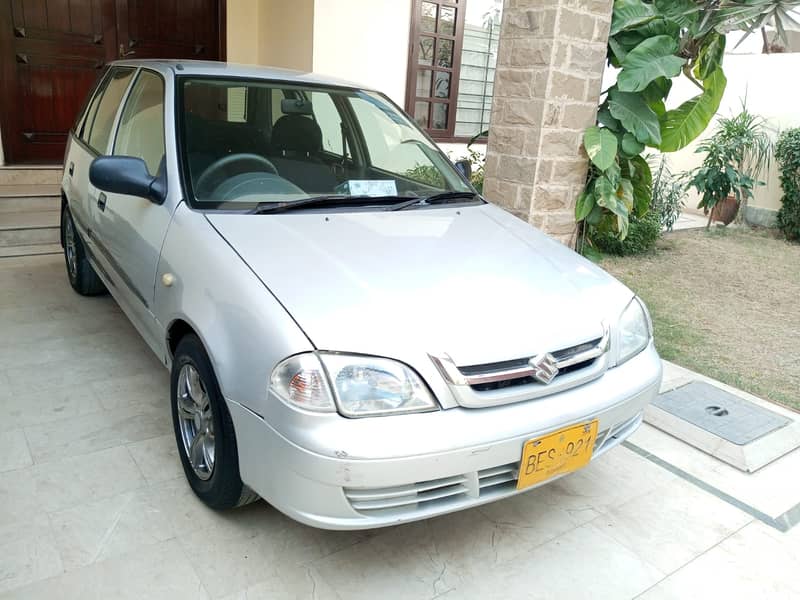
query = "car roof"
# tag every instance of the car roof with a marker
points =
(226, 69)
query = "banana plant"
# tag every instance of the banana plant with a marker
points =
(652, 42)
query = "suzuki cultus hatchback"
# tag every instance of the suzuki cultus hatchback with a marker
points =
(354, 334)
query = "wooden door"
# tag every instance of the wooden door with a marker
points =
(188, 29)
(52, 51)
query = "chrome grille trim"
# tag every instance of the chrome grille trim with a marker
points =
(506, 382)
(564, 358)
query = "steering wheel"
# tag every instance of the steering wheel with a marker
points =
(228, 166)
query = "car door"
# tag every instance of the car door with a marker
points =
(90, 139)
(130, 230)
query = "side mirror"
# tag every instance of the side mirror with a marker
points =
(126, 175)
(464, 167)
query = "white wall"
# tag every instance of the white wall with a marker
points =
(287, 34)
(365, 41)
(242, 31)
(771, 85)
(277, 33)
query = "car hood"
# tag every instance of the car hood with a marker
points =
(473, 282)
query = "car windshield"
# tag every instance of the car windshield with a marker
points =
(250, 142)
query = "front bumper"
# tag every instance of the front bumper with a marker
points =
(337, 473)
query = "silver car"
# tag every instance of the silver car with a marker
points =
(353, 333)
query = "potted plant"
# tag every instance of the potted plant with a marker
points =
(736, 154)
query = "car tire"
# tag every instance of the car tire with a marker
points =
(82, 276)
(203, 429)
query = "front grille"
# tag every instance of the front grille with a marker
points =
(513, 373)
(446, 492)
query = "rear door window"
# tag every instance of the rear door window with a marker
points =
(141, 126)
(104, 108)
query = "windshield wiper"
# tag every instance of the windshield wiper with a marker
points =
(329, 200)
(442, 198)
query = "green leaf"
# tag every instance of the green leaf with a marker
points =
(634, 114)
(595, 216)
(616, 53)
(683, 12)
(653, 58)
(601, 146)
(630, 13)
(625, 193)
(605, 193)
(604, 118)
(709, 59)
(660, 26)
(682, 125)
(655, 93)
(584, 205)
(658, 90)
(613, 173)
(642, 179)
(624, 42)
(630, 146)
(623, 221)
(607, 197)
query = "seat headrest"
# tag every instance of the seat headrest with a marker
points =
(296, 133)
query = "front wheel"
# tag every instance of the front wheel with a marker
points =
(204, 430)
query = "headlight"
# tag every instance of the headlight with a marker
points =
(361, 385)
(635, 330)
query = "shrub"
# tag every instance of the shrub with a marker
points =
(478, 161)
(426, 175)
(787, 152)
(643, 233)
(669, 193)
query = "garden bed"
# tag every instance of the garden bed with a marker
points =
(725, 303)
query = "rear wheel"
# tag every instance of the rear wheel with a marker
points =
(204, 430)
(81, 274)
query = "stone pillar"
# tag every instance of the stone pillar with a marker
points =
(547, 85)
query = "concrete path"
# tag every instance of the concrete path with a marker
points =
(93, 501)
(690, 220)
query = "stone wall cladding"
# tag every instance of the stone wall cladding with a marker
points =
(547, 86)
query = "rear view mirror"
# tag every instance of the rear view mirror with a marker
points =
(126, 175)
(464, 167)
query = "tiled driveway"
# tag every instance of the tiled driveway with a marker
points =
(93, 503)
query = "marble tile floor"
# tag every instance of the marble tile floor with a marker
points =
(93, 503)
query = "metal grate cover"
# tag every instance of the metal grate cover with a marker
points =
(719, 412)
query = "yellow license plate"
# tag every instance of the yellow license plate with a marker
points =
(557, 453)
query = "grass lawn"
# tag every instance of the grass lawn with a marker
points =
(725, 303)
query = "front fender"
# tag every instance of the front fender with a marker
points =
(243, 327)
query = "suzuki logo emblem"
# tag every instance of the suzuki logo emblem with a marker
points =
(544, 367)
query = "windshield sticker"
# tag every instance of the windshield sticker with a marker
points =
(372, 187)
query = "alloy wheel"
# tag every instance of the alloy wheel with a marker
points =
(196, 422)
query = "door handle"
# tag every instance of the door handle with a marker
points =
(124, 53)
(101, 201)
(71, 169)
